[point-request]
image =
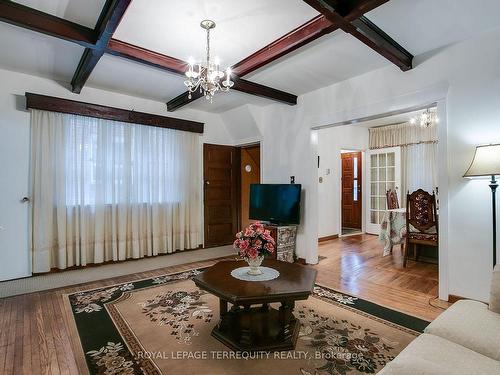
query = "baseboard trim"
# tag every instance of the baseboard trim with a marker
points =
(300, 261)
(92, 265)
(328, 238)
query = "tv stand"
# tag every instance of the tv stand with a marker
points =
(285, 237)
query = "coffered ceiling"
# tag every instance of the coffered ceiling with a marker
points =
(171, 28)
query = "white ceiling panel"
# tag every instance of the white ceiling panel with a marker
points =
(332, 58)
(28, 52)
(128, 77)
(172, 27)
(424, 25)
(225, 101)
(84, 12)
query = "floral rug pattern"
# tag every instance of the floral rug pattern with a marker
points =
(346, 348)
(175, 309)
(360, 348)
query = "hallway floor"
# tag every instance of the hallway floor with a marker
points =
(355, 265)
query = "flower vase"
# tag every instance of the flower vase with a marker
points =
(254, 264)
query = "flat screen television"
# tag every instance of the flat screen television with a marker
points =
(276, 203)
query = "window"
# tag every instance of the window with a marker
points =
(109, 162)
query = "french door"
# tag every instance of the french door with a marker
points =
(383, 168)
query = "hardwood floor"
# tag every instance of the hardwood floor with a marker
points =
(34, 338)
(355, 265)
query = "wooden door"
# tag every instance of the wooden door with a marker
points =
(221, 169)
(250, 174)
(351, 190)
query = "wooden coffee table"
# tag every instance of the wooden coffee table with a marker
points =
(252, 324)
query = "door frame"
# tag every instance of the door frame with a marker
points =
(407, 102)
(397, 151)
(363, 178)
(240, 147)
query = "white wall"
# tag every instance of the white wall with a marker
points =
(15, 153)
(331, 141)
(466, 76)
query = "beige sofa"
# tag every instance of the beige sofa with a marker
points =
(465, 339)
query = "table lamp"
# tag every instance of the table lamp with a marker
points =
(486, 162)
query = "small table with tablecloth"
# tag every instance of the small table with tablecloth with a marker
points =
(393, 229)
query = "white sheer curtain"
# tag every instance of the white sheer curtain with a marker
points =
(418, 153)
(419, 168)
(105, 190)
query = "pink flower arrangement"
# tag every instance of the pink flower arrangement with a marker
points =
(254, 241)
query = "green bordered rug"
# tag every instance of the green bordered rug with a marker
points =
(162, 325)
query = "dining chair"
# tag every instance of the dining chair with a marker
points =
(421, 221)
(392, 199)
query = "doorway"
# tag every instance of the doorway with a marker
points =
(228, 172)
(351, 192)
(250, 174)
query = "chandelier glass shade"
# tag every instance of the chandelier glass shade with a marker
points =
(426, 119)
(206, 76)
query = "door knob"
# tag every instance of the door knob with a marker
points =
(25, 200)
(207, 182)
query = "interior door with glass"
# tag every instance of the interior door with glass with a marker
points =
(383, 173)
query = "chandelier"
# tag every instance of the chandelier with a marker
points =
(206, 76)
(426, 119)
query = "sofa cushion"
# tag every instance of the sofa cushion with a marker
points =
(495, 290)
(433, 355)
(470, 324)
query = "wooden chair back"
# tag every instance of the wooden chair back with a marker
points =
(392, 199)
(421, 211)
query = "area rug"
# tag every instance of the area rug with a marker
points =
(163, 325)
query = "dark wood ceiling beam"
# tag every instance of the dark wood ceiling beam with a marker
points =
(147, 57)
(181, 100)
(353, 9)
(87, 63)
(348, 15)
(375, 38)
(32, 19)
(257, 89)
(302, 35)
(53, 104)
(111, 15)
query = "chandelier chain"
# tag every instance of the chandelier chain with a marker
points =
(208, 45)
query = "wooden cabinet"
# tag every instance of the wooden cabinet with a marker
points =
(285, 237)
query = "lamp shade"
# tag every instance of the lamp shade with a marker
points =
(486, 161)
